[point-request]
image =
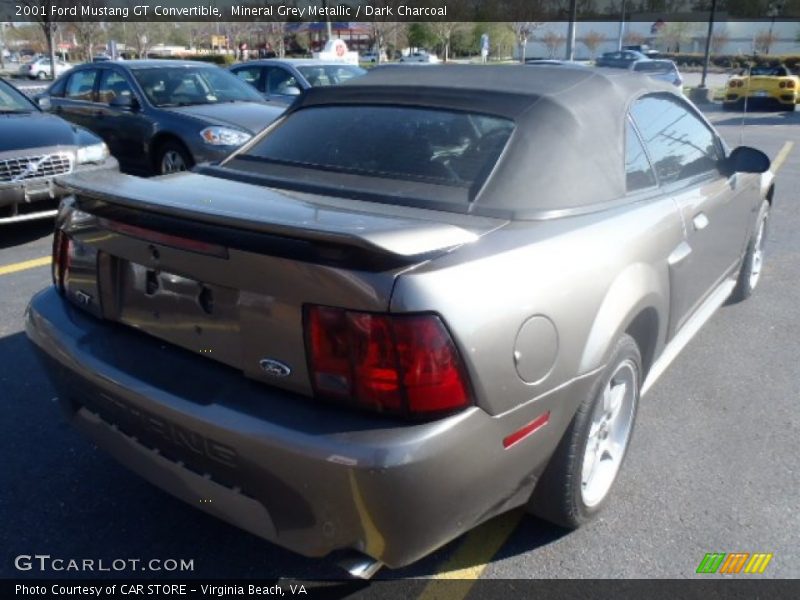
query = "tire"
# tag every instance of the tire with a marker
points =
(750, 271)
(577, 482)
(172, 152)
(41, 75)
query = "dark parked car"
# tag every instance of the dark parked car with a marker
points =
(282, 80)
(160, 115)
(34, 148)
(619, 59)
(446, 306)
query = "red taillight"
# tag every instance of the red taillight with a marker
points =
(790, 84)
(62, 245)
(402, 364)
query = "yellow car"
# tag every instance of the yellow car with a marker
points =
(764, 85)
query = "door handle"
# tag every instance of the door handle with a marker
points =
(700, 221)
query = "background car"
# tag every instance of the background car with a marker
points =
(661, 69)
(161, 116)
(372, 57)
(39, 68)
(34, 149)
(419, 57)
(423, 298)
(643, 48)
(282, 80)
(552, 62)
(619, 59)
(766, 85)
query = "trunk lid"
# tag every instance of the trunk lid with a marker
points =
(223, 269)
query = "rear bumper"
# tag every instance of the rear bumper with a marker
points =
(309, 477)
(782, 98)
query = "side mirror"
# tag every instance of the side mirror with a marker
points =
(744, 159)
(43, 102)
(291, 90)
(124, 102)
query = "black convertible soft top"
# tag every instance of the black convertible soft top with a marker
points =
(567, 150)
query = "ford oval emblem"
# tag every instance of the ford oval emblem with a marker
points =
(274, 368)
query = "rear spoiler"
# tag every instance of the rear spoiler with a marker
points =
(379, 228)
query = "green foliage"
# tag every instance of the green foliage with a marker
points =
(501, 39)
(420, 35)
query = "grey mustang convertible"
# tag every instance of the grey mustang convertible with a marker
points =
(447, 306)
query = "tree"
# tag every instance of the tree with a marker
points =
(553, 42)
(673, 34)
(86, 34)
(443, 33)
(420, 35)
(719, 39)
(382, 31)
(502, 40)
(592, 40)
(634, 38)
(42, 9)
(764, 40)
(522, 33)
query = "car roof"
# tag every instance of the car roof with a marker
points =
(294, 62)
(575, 115)
(526, 83)
(157, 63)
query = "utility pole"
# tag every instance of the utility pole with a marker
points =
(328, 27)
(707, 56)
(573, 16)
(621, 27)
(2, 46)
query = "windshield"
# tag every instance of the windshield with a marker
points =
(322, 75)
(184, 86)
(12, 101)
(394, 142)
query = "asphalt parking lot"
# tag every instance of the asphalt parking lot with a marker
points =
(714, 464)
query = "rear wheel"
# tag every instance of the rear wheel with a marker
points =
(41, 75)
(576, 483)
(750, 272)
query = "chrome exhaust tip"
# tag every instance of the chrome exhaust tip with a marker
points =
(359, 566)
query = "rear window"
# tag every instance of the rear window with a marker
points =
(654, 66)
(772, 71)
(432, 146)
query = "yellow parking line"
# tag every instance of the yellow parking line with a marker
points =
(781, 157)
(471, 559)
(22, 266)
